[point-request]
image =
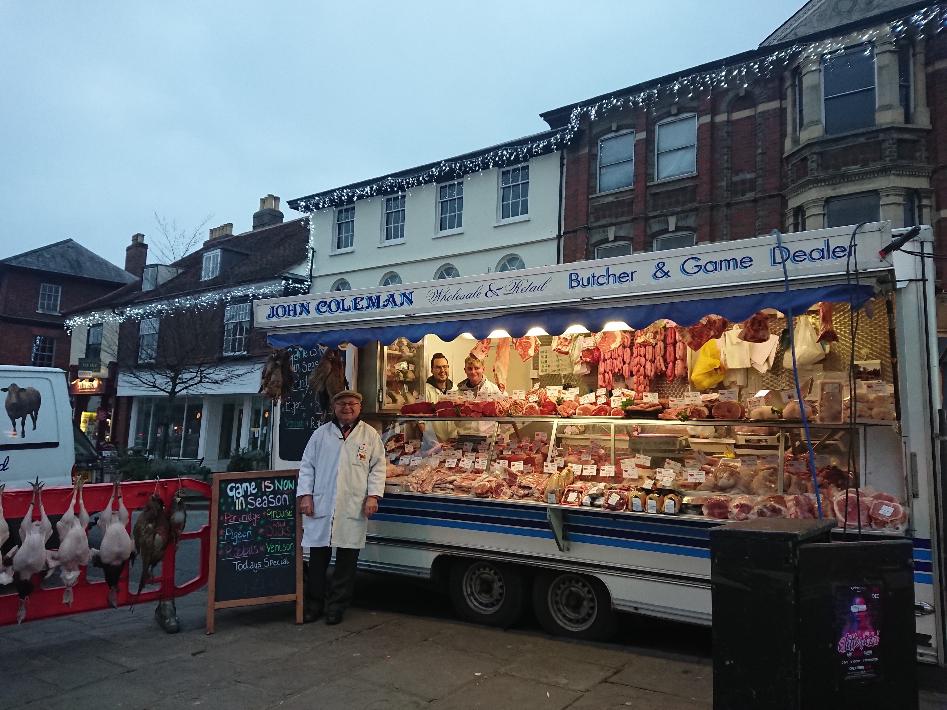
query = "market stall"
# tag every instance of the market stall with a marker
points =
(643, 400)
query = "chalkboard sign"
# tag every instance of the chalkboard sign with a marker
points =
(300, 412)
(255, 534)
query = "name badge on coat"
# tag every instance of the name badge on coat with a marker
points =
(363, 452)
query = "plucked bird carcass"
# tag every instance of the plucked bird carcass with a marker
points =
(31, 557)
(328, 379)
(116, 546)
(152, 532)
(6, 573)
(73, 553)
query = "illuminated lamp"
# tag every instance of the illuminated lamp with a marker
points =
(535, 332)
(575, 329)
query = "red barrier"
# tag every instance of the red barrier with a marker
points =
(92, 596)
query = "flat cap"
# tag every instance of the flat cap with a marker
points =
(347, 393)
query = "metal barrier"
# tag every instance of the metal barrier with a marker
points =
(93, 595)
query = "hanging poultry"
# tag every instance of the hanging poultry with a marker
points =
(152, 532)
(73, 553)
(31, 557)
(116, 546)
(6, 573)
(328, 379)
(177, 515)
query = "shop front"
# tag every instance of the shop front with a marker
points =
(209, 424)
(92, 391)
(643, 401)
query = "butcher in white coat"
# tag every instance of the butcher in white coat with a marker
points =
(341, 478)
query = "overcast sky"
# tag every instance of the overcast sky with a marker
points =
(115, 111)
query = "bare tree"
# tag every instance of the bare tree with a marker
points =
(183, 358)
(174, 242)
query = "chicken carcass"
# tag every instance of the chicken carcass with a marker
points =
(116, 546)
(73, 553)
(152, 532)
(6, 573)
(177, 515)
(31, 556)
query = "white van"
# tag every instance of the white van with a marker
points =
(36, 438)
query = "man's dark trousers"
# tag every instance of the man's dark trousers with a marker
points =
(334, 596)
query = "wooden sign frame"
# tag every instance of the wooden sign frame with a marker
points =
(212, 604)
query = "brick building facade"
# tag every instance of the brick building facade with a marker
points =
(37, 288)
(849, 127)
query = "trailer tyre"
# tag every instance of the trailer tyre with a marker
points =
(487, 592)
(573, 605)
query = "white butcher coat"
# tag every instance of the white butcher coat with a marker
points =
(338, 473)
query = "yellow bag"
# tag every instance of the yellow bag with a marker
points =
(708, 370)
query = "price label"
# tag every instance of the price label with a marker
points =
(601, 392)
(648, 484)
(550, 467)
(754, 402)
(601, 399)
(409, 448)
(590, 470)
(519, 394)
(676, 402)
(560, 462)
(642, 461)
(673, 465)
(571, 392)
(885, 511)
(576, 469)
(415, 461)
(450, 463)
(652, 505)
(516, 466)
(692, 398)
(627, 393)
(469, 394)
(553, 391)
(695, 475)
(636, 506)
(587, 398)
(728, 395)
(616, 401)
(467, 462)
(480, 463)
(749, 461)
(606, 469)
(650, 397)
(664, 476)
(627, 464)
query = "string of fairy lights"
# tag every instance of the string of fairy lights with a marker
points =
(925, 22)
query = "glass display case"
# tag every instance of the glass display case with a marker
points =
(723, 470)
(402, 374)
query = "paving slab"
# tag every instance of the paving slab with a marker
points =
(345, 693)
(427, 670)
(690, 679)
(612, 696)
(505, 691)
(557, 670)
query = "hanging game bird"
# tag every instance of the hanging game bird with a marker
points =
(151, 533)
(116, 546)
(328, 379)
(177, 515)
(31, 557)
(277, 379)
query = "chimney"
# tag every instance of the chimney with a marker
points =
(224, 230)
(268, 214)
(136, 254)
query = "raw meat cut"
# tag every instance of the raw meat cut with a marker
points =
(886, 514)
(827, 332)
(717, 507)
(755, 329)
(774, 506)
(728, 410)
(741, 508)
(501, 367)
(526, 347)
(707, 328)
(851, 508)
(426, 408)
(481, 349)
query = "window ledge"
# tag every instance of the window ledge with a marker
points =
(49, 313)
(512, 220)
(242, 352)
(392, 243)
(347, 250)
(630, 188)
(664, 181)
(449, 233)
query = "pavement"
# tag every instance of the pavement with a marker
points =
(398, 647)
(377, 658)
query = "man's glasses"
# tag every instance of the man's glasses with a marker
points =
(441, 367)
(348, 405)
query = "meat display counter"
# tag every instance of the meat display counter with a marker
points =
(722, 470)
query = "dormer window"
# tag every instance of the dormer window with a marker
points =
(210, 268)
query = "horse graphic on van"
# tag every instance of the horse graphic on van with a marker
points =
(20, 403)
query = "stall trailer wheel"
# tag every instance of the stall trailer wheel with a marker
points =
(487, 592)
(573, 605)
